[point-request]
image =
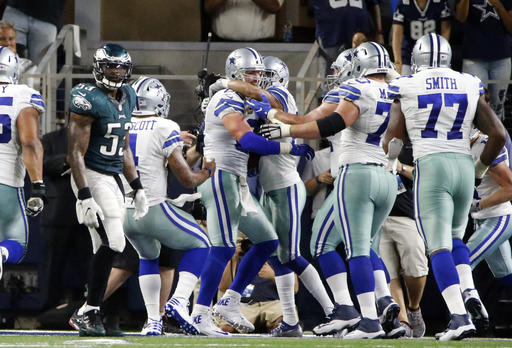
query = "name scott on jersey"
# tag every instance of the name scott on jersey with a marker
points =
(143, 125)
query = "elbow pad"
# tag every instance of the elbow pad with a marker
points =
(331, 124)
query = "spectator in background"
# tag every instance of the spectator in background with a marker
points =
(337, 21)
(243, 20)
(64, 240)
(358, 39)
(486, 47)
(413, 19)
(36, 24)
(8, 39)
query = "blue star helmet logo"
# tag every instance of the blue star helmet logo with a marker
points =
(231, 60)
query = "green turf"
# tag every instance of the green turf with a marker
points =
(156, 342)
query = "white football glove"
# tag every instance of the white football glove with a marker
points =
(87, 212)
(218, 85)
(141, 204)
(274, 130)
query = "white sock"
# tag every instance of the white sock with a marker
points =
(186, 283)
(339, 288)
(285, 285)
(453, 299)
(367, 304)
(465, 277)
(86, 308)
(150, 289)
(381, 285)
(4, 254)
(200, 309)
(311, 280)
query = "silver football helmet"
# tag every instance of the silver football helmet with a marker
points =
(431, 51)
(112, 66)
(278, 72)
(152, 97)
(8, 65)
(370, 58)
(244, 60)
(342, 69)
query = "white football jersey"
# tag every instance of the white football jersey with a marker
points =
(152, 140)
(488, 186)
(333, 96)
(219, 144)
(14, 98)
(280, 171)
(362, 141)
(439, 107)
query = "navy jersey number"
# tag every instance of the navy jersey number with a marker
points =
(382, 110)
(436, 100)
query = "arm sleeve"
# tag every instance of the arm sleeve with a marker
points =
(251, 142)
(393, 91)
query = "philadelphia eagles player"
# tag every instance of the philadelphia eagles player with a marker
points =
(100, 117)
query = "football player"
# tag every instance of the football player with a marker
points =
(365, 191)
(325, 243)
(226, 196)
(98, 153)
(436, 106)
(20, 151)
(283, 201)
(156, 144)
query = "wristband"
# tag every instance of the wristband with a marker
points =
(285, 148)
(271, 115)
(136, 184)
(84, 193)
(285, 130)
(225, 83)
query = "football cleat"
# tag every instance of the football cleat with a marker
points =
(476, 310)
(228, 309)
(366, 329)
(416, 322)
(408, 329)
(76, 320)
(178, 309)
(152, 327)
(91, 324)
(111, 325)
(342, 316)
(397, 331)
(285, 330)
(388, 310)
(460, 327)
(206, 327)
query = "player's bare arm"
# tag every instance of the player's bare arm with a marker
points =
(396, 125)
(462, 11)
(236, 125)
(79, 133)
(31, 147)
(129, 169)
(487, 121)
(398, 36)
(254, 92)
(323, 110)
(186, 176)
(502, 175)
(345, 115)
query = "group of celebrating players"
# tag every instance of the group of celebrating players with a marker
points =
(119, 128)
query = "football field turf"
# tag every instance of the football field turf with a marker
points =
(65, 340)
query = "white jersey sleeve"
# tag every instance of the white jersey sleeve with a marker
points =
(280, 171)
(488, 186)
(219, 144)
(439, 106)
(13, 99)
(152, 141)
(362, 141)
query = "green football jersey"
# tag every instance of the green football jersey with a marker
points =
(111, 124)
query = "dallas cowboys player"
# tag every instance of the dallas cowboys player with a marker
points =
(156, 143)
(20, 149)
(228, 138)
(436, 106)
(332, 265)
(100, 116)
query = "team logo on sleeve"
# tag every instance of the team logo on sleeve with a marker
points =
(81, 103)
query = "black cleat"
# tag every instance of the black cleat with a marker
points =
(76, 320)
(111, 325)
(91, 324)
